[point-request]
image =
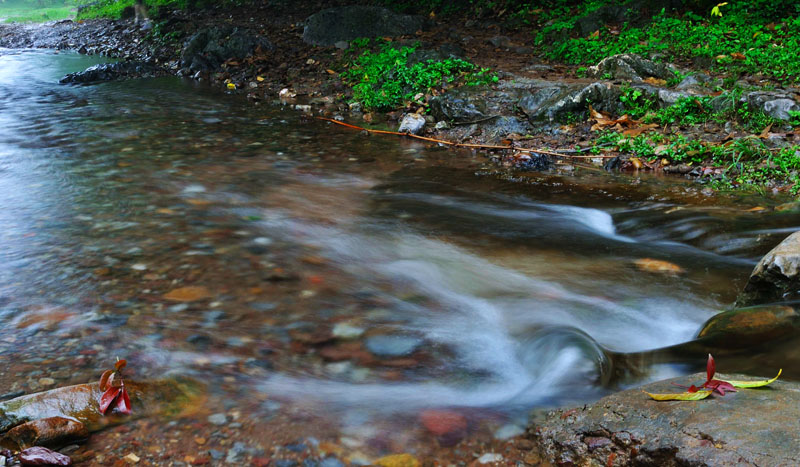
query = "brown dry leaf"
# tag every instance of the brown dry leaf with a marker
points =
(658, 266)
(765, 133)
(639, 130)
(660, 149)
(655, 81)
(738, 56)
(594, 35)
(165, 211)
(756, 209)
(199, 202)
(189, 293)
(637, 164)
(330, 72)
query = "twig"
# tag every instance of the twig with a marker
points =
(463, 145)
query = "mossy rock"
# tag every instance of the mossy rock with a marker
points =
(748, 326)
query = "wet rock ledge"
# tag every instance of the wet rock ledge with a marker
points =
(749, 427)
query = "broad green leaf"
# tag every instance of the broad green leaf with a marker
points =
(682, 396)
(755, 384)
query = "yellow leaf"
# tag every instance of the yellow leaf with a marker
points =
(681, 396)
(754, 384)
(715, 11)
(657, 266)
(188, 294)
(231, 86)
(259, 78)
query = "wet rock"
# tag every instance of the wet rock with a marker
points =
(628, 428)
(237, 453)
(43, 456)
(458, 107)
(532, 162)
(412, 123)
(207, 49)
(392, 345)
(112, 72)
(555, 102)
(80, 402)
(776, 277)
(333, 25)
(53, 432)
(509, 431)
(490, 457)
(448, 426)
(501, 127)
(398, 460)
(631, 67)
(750, 326)
(346, 331)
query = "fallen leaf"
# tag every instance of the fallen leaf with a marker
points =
(655, 81)
(188, 294)
(765, 133)
(754, 384)
(637, 164)
(658, 266)
(681, 396)
(639, 130)
(738, 56)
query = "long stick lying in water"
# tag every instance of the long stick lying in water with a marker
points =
(462, 145)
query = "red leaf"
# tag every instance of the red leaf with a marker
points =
(693, 388)
(719, 386)
(107, 398)
(120, 364)
(711, 368)
(104, 383)
(124, 402)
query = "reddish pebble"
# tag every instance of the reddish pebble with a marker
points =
(38, 455)
(261, 462)
(443, 422)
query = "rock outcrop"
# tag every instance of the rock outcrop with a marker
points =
(112, 72)
(351, 22)
(749, 427)
(631, 67)
(209, 48)
(776, 277)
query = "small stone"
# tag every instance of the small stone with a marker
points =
(200, 440)
(284, 463)
(398, 460)
(392, 345)
(331, 462)
(132, 458)
(342, 45)
(347, 331)
(218, 419)
(490, 457)
(47, 382)
(508, 431)
(412, 123)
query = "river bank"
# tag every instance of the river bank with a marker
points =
(694, 127)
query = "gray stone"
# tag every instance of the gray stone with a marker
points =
(346, 331)
(218, 419)
(748, 427)
(332, 25)
(392, 345)
(631, 67)
(412, 123)
(331, 462)
(554, 102)
(693, 80)
(207, 49)
(776, 277)
(458, 107)
(776, 104)
(113, 72)
(667, 98)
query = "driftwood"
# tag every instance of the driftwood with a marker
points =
(547, 152)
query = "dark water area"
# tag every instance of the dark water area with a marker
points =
(370, 275)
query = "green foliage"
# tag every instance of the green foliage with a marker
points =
(636, 104)
(746, 38)
(384, 78)
(114, 8)
(35, 11)
(794, 118)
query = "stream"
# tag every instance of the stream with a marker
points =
(361, 278)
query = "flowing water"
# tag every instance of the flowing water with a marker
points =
(366, 275)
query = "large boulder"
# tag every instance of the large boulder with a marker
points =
(352, 22)
(209, 48)
(113, 71)
(749, 427)
(776, 104)
(556, 102)
(631, 67)
(776, 277)
(750, 326)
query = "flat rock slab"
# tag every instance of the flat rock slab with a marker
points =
(352, 22)
(749, 427)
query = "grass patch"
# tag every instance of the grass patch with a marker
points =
(747, 38)
(384, 76)
(36, 11)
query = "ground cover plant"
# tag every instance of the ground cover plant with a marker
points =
(33, 11)
(384, 75)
